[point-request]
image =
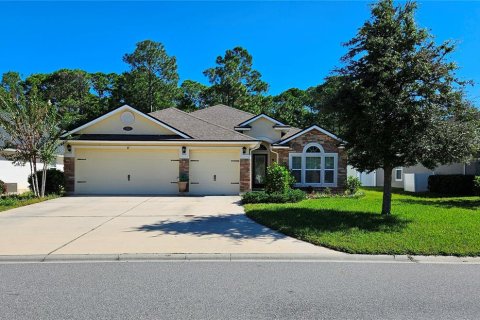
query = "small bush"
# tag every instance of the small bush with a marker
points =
(353, 184)
(278, 179)
(3, 188)
(476, 185)
(55, 183)
(453, 184)
(291, 195)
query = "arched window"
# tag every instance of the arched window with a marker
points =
(313, 149)
(314, 167)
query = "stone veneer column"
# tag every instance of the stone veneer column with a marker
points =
(245, 175)
(69, 173)
(342, 169)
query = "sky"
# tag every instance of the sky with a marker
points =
(293, 44)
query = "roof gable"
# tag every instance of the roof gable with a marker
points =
(126, 120)
(302, 132)
(261, 116)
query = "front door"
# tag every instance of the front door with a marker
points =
(259, 170)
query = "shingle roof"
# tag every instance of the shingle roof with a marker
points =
(223, 115)
(197, 128)
(292, 131)
(231, 117)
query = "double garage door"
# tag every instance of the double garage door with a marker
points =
(154, 171)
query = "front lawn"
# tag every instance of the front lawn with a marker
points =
(420, 224)
(10, 202)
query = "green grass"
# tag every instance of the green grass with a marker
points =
(420, 224)
(11, 202)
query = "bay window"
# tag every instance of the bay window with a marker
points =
(314, 167)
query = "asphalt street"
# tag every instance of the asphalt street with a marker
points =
(239, 290)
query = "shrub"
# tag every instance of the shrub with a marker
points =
(453, 184)
(278, 179)
(3, 188)
(291, 195)
(353, 184)
(476, 185)
(55, 181)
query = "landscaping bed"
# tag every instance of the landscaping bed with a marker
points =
(15, 201)
(421, 224)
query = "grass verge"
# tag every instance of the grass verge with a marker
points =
(421, 224)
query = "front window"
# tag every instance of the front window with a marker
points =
(314, 167)
(329, 169)
(296, 167)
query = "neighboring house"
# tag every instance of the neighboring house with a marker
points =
(221, 149)
(414, 178)
(15, 176)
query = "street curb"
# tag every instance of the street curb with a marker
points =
(341, 257)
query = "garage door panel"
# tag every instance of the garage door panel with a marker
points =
(214, 172)
(121, 171)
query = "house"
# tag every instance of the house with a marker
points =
(414, 178)
(221, 149)
(16, 176)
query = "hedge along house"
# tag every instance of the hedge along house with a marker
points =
(222, 150)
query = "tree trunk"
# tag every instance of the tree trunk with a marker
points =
(387, 191)
(32, 174)
(35, 178)
(44, 179)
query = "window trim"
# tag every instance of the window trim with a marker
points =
(401, 173)
(322, 155)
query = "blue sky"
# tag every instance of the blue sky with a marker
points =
(294, 44)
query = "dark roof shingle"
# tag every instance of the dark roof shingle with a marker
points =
(198, 128)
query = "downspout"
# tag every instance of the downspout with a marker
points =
(276, 153)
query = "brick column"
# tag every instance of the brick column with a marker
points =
(69, 173)
(245, 175)
(184, 169)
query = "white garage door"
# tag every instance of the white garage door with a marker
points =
(122, 171)
(214, 172)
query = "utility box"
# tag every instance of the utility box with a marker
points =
(11, 188)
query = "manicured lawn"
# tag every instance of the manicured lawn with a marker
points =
(420, 224)
(10, 202)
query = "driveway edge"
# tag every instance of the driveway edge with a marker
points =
(125, 257)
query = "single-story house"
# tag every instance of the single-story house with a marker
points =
(414, 178)
(222, 150)
(16, 176)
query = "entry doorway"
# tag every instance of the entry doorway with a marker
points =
(259, 172)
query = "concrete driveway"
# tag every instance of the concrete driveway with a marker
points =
(136, 224)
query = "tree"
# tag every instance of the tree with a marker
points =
(106, 86)
(153, 78)
(292, 107)
(193, 96)
(323, 104)
(32, 127)
(69, 91)
(234, 81)
(401, 101)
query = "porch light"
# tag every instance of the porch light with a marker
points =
(69, 148)
(184, 150)
(244, 149)
(341, 146)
